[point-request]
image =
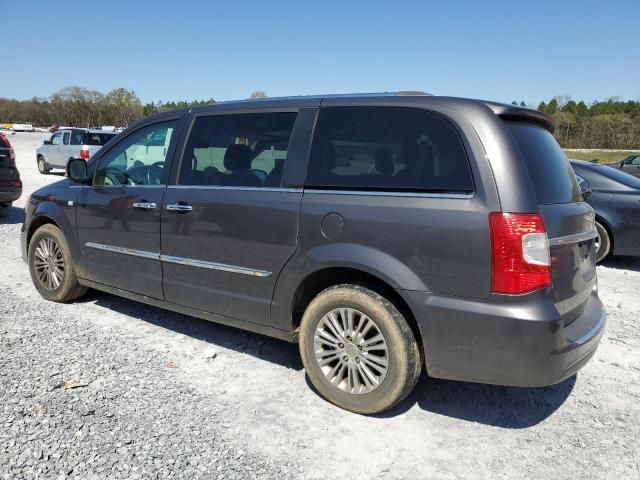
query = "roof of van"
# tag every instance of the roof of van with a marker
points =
(503, 110)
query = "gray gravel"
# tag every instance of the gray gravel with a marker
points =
(161, 395)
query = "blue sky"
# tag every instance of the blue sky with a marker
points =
(499, 50)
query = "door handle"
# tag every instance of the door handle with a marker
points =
(144, 205)
(179, 207)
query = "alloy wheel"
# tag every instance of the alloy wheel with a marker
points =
(48, 263)
(351, 351)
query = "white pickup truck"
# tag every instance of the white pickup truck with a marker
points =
(69, 143)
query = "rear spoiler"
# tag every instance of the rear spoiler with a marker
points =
(521, 114)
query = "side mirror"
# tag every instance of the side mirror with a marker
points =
(77, 170)
(47, 142)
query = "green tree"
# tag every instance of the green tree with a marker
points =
(258, 94)
(552, 108)
(542, 107)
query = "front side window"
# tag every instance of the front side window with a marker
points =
(139, 159)
(246, 150)
(56, 138)
(387, 149)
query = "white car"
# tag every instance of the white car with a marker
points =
(70, 143)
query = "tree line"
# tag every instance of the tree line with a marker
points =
(611, 123)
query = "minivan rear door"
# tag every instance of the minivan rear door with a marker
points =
(230, 223)
(569, 221)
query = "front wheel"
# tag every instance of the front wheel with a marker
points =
(42, 166)
(358, 350)
(51, 266)
(603, 246)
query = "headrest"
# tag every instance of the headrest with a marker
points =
(384, 161)
(237, 158)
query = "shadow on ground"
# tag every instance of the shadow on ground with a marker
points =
(623, 263)
(11, 215)
(260, 346)
(505, 407)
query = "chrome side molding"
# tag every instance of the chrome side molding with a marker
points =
(575, 238)
(191, 262)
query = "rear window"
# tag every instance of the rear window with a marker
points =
(97, 138)
(387, 149)
(551, 174)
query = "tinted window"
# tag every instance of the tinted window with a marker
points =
(92, 138)
(66, 138)
(139, 159)
(237, 150)
(77, 137)
(374, 148)
(551, 174)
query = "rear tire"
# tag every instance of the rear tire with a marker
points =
(358, 350)
(4, 209)
(51, 266)
(604, 243)
(43, 168)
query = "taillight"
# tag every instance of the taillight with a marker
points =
(84, 154)
(15, 183)
(520, 261)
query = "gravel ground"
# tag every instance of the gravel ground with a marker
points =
(109, 388)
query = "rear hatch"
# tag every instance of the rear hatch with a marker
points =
(569, 221)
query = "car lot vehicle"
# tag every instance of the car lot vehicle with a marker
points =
(630, 165)
(615, 197)
(10, 183)
(66, 143)
(383, 233)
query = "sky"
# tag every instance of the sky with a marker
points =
(187, 50)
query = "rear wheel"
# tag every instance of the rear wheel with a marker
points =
(603, 247)
(4, 209)
(42, 166)
(358, 350)
(51, 266)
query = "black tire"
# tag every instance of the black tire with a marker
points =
(68, 288)
(403, 353)
(4, 209)
(43, 168)
(604, 243)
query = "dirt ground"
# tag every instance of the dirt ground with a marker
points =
(213, 401)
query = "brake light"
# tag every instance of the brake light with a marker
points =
(84, 154)
(520, 261)
(15, 183)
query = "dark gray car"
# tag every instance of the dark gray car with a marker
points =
(615, 197)
(383, 233)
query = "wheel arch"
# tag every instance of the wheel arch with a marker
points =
(323, 278)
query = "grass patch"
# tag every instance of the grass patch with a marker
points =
(602, 156)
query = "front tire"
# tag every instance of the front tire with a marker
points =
(51, 266)
(604, 243)
(43, 168)
(358, 350)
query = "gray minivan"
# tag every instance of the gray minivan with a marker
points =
(383, 233)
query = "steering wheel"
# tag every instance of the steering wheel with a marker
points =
(115, 176)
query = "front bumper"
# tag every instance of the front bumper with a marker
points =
(505, 340)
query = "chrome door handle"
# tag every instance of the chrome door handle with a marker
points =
(179, 207)
(144, 205)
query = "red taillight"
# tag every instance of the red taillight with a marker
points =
(84, 154)
(519, 253)
(15, 183)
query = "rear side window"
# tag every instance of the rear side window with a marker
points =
(97, 139)
(387, 149)
(240, 150)
(550, 171)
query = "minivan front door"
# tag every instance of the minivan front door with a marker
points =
(228, 226)
(118, 220)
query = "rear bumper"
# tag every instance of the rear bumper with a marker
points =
(517, 341)
(9, 194)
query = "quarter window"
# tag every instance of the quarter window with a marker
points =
(389, 149)
(66, 137)
(139, 159)
(237, 150)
